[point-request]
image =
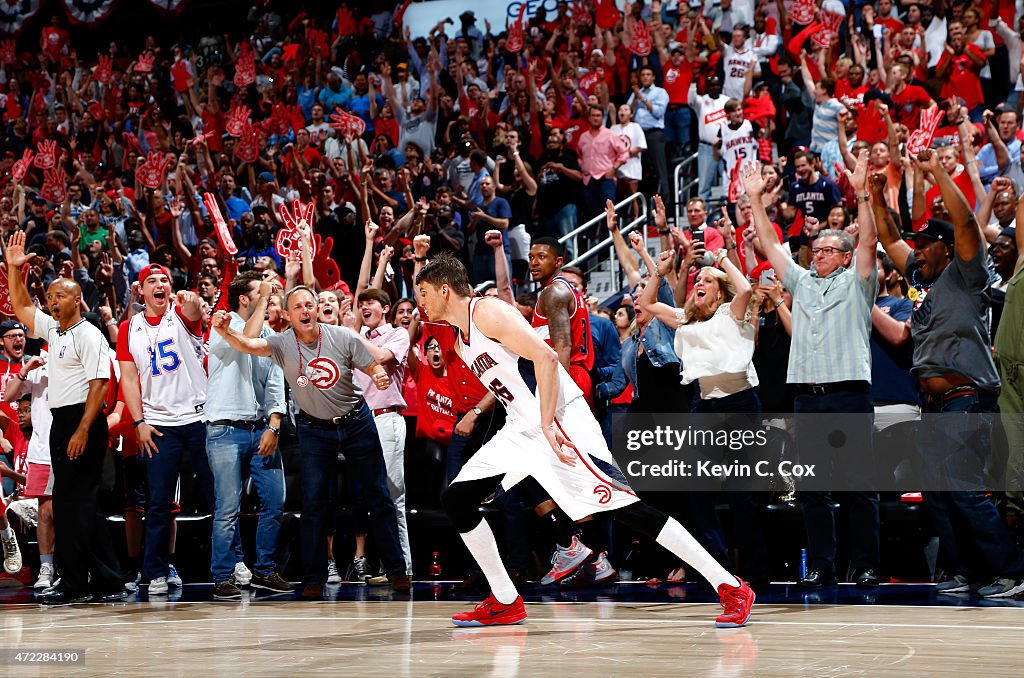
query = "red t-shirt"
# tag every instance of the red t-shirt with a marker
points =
(125, 428)
(436, 419)
(908, 104)
(962, 78)
(677, 82)
(8, 372)
(465, 388)
(600, 74)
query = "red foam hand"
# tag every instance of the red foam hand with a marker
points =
(607, 14)
(104, 70)
(802, 12)
(238, 118)
(145, 63)
(130, 141)
(220, 226)
(295, 117)
(514, 43)
(7, 52)
(324, 268)
(288, 239)
(96, 111)
(20, 167)
(290, 52)
(830, 22)
(735, 184)
(6, 307)
(245, 69)
(300, 213)
(152, 172)
(248, 146)
(580, 13)
(318, 43)
(922, 137)
(182, 78)
(346, 23)
(47, 154)
(641, 42)
(347, 123)
(53, 185)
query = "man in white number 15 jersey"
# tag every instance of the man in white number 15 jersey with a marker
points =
(161, 356)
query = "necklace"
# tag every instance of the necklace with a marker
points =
(306, 372)
(154, 340)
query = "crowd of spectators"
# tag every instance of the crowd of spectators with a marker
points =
(827, 137)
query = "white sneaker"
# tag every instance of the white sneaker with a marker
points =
(158, 586)
(12, 555)
(332, 573)
(133, 585)
(242, 575)
(45, 579)
(172, 577)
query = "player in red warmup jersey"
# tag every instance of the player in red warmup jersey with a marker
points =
(560, 317)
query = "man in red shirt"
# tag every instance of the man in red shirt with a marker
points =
(12, 357)
(678, 75)
(959, 68)
(908, 100)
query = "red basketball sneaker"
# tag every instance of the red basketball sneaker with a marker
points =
(492, 613)
(737, 601)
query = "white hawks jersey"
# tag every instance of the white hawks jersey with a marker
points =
(498, 369)
(738, 146)
(735, 65)
(169, 358)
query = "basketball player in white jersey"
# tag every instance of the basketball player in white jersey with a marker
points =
(550, 435)
(737, 145)
(161, 352)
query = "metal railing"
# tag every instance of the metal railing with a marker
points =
(683, 191)
(600, 261)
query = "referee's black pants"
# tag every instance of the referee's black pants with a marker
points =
(83, 545)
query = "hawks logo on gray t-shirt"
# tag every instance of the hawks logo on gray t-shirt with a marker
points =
(330, 391)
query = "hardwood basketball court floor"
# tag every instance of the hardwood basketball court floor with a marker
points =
(630, 629)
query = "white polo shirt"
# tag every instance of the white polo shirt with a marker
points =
(76, 356)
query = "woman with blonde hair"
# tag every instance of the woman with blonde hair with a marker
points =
(714, 338)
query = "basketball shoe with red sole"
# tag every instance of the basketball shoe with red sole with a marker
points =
(492, 613)
(737, 602)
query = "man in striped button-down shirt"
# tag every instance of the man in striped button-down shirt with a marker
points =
(830, 364)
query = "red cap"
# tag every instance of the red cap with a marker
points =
(153, 269)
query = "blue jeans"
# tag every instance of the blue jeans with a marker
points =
(357, 439)
(861, 507)
(229, 450)
(595, 193)
(162, 471)
(561, 222)
(677, 127)
(982, 546)
(709, 169)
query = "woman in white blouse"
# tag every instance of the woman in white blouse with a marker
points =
(714, 338)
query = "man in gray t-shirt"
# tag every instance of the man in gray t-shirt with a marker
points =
(326, 365)
(318, 361)
(953, 362)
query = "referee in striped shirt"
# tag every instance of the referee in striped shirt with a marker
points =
(79, 368)
(830, 365)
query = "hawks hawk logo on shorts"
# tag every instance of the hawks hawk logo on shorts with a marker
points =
(325, 373)
(604, 493)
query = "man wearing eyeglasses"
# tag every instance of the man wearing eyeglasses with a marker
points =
(830, 365)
